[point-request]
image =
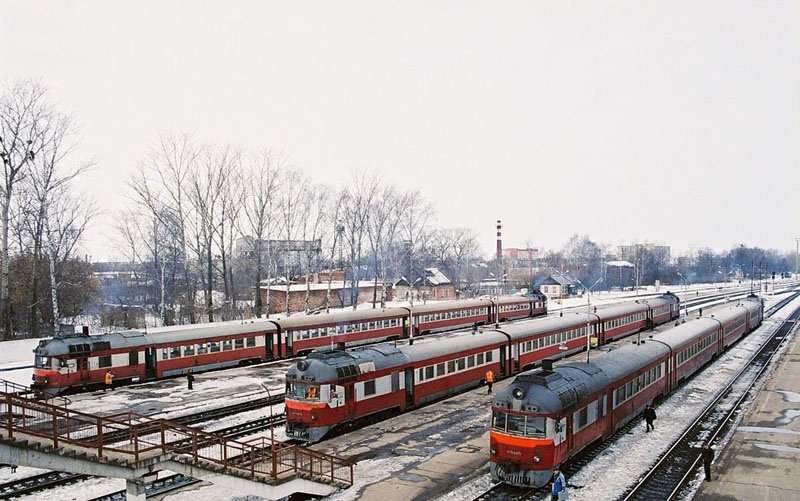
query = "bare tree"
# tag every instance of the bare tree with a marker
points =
(382, 229)
(416, 228)
(24, 115)
(161, 187)
(311, 230)
(358, 198)
(229, 208)
(293, 206)
(264, 172)
(334, 237)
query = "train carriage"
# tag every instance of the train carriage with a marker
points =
(545, 417)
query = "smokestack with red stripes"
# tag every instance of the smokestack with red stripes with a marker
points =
(499, 240)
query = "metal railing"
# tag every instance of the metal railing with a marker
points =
(134, 438)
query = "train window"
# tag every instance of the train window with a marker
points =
(535, 426)
(582, 418)
(488, 356)
(515, 424)
(480, 358)
(214, 346)
(499, 420)
(175, 352)
(421, 374)
(369, 387)
(429, 372)
(440, 369)
(462, 364)
(227, 345)
(451, 366)
(471, 361)
(251, 342)
(133, 358)
(43, 362)
(188, 350)
(314, 332)
(238, 343)
(164, 353)
(202, 349)
(104, 361)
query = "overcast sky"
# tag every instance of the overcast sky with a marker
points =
(676, 122)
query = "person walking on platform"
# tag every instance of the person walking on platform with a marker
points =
(649, 417)
(189, 378)
(708, 456)
(559, 490)
(489, 380)
(109, 380)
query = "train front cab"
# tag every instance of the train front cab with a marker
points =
(524, 448)
(313, 409)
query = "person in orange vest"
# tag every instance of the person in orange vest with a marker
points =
(109, 380)
(489, 380)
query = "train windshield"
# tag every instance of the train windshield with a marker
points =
(304, 391)
(516, 424)
(43, 362)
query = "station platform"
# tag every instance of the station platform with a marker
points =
(761, 460)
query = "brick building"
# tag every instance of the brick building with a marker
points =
(317, 292)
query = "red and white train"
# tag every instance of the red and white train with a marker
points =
(545, 417)
(71, 363)
(331, 389)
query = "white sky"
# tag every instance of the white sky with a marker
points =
(672, 121)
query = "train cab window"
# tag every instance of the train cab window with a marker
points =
(535, 426)
(43, 362)
(175, 352)
(188, 351)
(238, 343)
(499, 420)
(515, 424)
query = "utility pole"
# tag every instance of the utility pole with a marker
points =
(796, 252)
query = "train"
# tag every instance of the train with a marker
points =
(545, 417)
(334, 389)
(76, 362)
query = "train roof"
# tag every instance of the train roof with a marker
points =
(340, 317)
(516, 299)
(331, 365)
(447, 346)
(451, 305)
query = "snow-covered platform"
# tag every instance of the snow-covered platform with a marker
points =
(761, 460)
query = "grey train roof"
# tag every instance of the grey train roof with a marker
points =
(340, 317)
(447, 346)
(330, 365)
(468, 303)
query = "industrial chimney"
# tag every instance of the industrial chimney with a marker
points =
(499, 240)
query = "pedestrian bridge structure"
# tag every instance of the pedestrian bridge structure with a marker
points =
(47, 434)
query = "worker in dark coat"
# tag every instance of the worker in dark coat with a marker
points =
(649, 417)
(708, 456)
(190, 378)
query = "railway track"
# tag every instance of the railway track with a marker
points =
(157, 488)
(671, 475)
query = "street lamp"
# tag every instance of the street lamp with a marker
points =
(683, 279)
(589, 315)
(271, 421)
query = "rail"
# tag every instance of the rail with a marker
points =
(137, 438)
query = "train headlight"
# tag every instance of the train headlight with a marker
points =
(536, 459)
(493, 451)
(313, 416)
(518, 393)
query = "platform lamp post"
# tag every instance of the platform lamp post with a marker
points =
(271, 421)
(796, 254)
(682, 279)
(589, 315)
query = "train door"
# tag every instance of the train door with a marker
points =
(515, 356)
(289, 346)
(150, 363)
(83, 369)
(269, 343)
(409, 387)
(350, 400)
(503, 370)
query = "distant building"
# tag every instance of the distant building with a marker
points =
(430, 284)
(556, 286)
(634, 251)
(317, 292)
(290, 256)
